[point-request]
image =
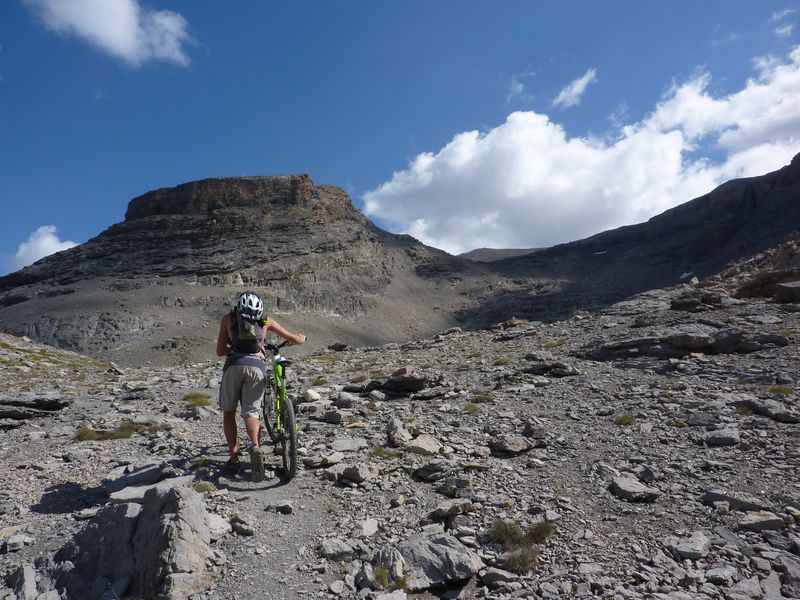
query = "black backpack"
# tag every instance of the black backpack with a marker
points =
(247, 335)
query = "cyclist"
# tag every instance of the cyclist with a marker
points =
(241, 339)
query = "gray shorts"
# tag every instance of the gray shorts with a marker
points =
(242, 385)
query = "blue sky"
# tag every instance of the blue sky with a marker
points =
(513, 124)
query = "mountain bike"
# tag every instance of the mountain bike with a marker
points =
(278, 411)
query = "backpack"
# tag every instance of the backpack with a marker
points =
(247, 335)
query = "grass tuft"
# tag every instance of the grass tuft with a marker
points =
(522, 561)
(481, 399)
(384, 452)
(506, 533)
(318, 381)
(625, 419)
(125, 430)
(382, 576)
(780, 390)
(197, 399)
(359, 379)
(501, 362)
(744, 409)
(471, 408)
(555, 343)
(539, 533)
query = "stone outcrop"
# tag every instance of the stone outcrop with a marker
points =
(436, 560)
(156, 549)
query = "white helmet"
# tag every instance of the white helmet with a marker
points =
(249, 305)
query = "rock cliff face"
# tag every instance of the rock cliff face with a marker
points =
(698, 238)
(257, 231)
(189, 250)
(161, 279)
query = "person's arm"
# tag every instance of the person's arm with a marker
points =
(223, 338)
(295, 338)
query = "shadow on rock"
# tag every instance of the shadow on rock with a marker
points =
(68, 497)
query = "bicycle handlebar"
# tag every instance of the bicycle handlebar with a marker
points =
(275, 349)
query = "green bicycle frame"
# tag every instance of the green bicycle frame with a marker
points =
(278, 370)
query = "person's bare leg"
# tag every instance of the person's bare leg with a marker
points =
(231, 434)
(252, 425)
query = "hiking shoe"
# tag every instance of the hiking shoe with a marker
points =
(257, 465)
(232, 467)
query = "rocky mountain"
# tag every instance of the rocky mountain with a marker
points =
(493, 254)
(696, 239)
(645, 452)
(182, 255)
(154, 287)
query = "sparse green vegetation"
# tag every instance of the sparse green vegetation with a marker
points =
(384, 452)
(332, 358)
(471, 408)
(523, 560)
(359, 379)
(522, 557)
(125, 430)
(481, 399)
(625, 419)
(780, 390)
(507, 533)
(382, 576)
(401, 584)
(197, 399)
(500, 362)
(555, 343)
(318, 381)
(384, 580)
(539, 533)
(744, 409)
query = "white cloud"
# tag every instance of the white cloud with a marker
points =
(517, 89)
(121, 28)
(720, 38)
(784, 31)
(42, 242)
(781, 14)
(526, 183)
(571, 95)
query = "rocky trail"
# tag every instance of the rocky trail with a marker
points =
(649, 451)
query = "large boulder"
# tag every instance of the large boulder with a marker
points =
(436, 560)
(172, 544)
(158, 548)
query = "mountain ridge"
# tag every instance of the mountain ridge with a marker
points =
(182, 254)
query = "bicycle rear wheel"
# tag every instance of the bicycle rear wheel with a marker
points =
(268, 415)
(289, 441)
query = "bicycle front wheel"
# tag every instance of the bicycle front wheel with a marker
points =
(269, 415)
(289, 441)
